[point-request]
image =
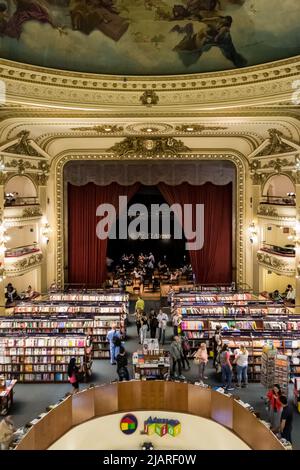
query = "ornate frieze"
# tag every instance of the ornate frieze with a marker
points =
(197, 128)
(276, 263)
(23, 265)
(149, 98)
(258, 84)
(100, 129)
(275, 145)
(149, 148)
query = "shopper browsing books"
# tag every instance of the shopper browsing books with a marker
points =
(275, 407)
(226, 368)
(217, 346)
(162, 318)
(73, 375)
(138, 315)
(153, 322)
(201, 359)
(176, 355)
(114, 339)
(286, 420)
(140, 304)
(185, 351)
(176, 320)
(241, 361)
(144, 327)
(122, 363)
(7, 430)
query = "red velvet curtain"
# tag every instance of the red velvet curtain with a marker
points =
(86, 253)
(213, 263)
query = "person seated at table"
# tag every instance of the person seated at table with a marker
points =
(275, 296)
(289, 294)
(30, 293)
(11, 294)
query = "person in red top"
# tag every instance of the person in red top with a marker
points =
(275, 407)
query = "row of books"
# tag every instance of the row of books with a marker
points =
(42, 342)
(222, 310)
(35, 359)
(63, 308)
(38, 377)
(89, 297)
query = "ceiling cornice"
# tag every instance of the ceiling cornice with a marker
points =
(258, 85)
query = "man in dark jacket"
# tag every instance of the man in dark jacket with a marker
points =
(122, 363)
(176, 355)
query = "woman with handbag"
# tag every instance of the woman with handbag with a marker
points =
(201, 359)
(73, 371)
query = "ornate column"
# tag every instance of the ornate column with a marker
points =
(256, 190)
(2, 259)
(297, 244)
(41, 181)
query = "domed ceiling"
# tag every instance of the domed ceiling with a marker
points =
(148, 37)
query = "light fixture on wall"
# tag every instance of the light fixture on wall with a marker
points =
(252, 232)
(45, 230)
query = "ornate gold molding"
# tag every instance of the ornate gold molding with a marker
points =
(24, 265)
(262, 84)
(153, 147)
(277, 265)
(236, 158)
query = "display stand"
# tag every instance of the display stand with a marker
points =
(6, 395)
(151, 362)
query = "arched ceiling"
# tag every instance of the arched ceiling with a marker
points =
(148, 37)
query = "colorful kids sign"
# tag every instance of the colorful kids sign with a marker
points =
(128, 424)
(162, 426)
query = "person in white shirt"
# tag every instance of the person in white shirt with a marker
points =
(291, 294)
(162, 318)
(241, 361)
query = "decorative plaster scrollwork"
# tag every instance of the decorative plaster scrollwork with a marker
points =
(276, 264)
(32, 212)
(149, 98)
(24, 265)
(100, 129)
(149, 148)
(269, 211)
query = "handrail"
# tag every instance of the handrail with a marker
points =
(278, 200)
(21, 250)
(22, 201)
(104, 400)
(278, 250)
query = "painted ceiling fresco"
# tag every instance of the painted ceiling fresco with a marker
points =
(148, 37)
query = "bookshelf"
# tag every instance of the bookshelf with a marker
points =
(39, 358)
(65, 308)
(97, 327)
(256, 346)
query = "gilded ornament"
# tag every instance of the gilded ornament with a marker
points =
(276, 144)
(197, 128)
(149, 148)
(149, 98)
(100, 129)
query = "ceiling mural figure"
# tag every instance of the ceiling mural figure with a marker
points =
(148, 37)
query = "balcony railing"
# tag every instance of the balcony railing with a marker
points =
(21, 250)
(278, 200)
(20, 201)
(288, 250)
